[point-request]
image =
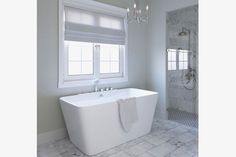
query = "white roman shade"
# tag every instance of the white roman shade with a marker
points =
(89, 26)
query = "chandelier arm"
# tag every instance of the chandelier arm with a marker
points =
(135, 14)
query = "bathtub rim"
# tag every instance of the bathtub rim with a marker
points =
(62, 99)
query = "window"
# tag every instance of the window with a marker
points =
(183, 60)
(177, 59)
(80, 58)
(92, 43)
(172, 59)
(83, 56)
(109, 59)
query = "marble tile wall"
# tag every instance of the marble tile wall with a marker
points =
(179, 97)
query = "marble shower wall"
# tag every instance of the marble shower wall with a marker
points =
(179, 97)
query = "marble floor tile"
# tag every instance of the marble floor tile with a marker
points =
(157, 140)
(146, 155)
(175, 132)
(139, 149)
(194, 132)
(164, 125)
(130, 143)
(176, 142)
(162, 150)
(192, 146)
(109, 152)
(181, 152)
(157, 131)
(186, 137)
(120, 154)
(166, 139)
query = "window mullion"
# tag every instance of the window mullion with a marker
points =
(97, 61)
(121, 60)
(177, 60)
(81, 63)
(66, 60)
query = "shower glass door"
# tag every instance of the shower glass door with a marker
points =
(182, 65)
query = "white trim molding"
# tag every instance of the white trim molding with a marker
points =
(51, 136)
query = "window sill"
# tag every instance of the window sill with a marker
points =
(83, 83)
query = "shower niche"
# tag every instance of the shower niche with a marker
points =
(182, 64)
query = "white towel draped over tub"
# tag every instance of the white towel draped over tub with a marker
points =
(128, 112)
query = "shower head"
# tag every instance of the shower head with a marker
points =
(184, 32)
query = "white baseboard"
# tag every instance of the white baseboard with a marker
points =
(51, 136)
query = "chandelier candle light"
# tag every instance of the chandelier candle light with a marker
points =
(135, 14)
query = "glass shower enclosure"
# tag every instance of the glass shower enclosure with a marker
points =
(182, 65)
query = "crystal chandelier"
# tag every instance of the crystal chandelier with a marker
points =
(135, 14)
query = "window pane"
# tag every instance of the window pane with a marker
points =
(181, 56)
(181, 65)
(104, 67)
(114, 54)
(169, 66)
(74, 68)
(104, 53)
(114, 67)
(80, 50)
(185, 65)
(74, 51)
(173, 65)
(185, 56)
(171, 55)
(87, 53)
(109, 58)
(87, 67)
(80, 57)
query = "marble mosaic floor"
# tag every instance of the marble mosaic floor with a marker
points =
(183, 117)
(167, 139)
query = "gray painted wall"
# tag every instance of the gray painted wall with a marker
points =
(156, 67)
(49, 116)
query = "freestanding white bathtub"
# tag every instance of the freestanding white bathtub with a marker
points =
(93, 123)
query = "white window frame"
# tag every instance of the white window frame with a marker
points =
(121, 66)
(183, 61)
(171, 61)
(177, 59)
(75, 77)
(64, 80)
